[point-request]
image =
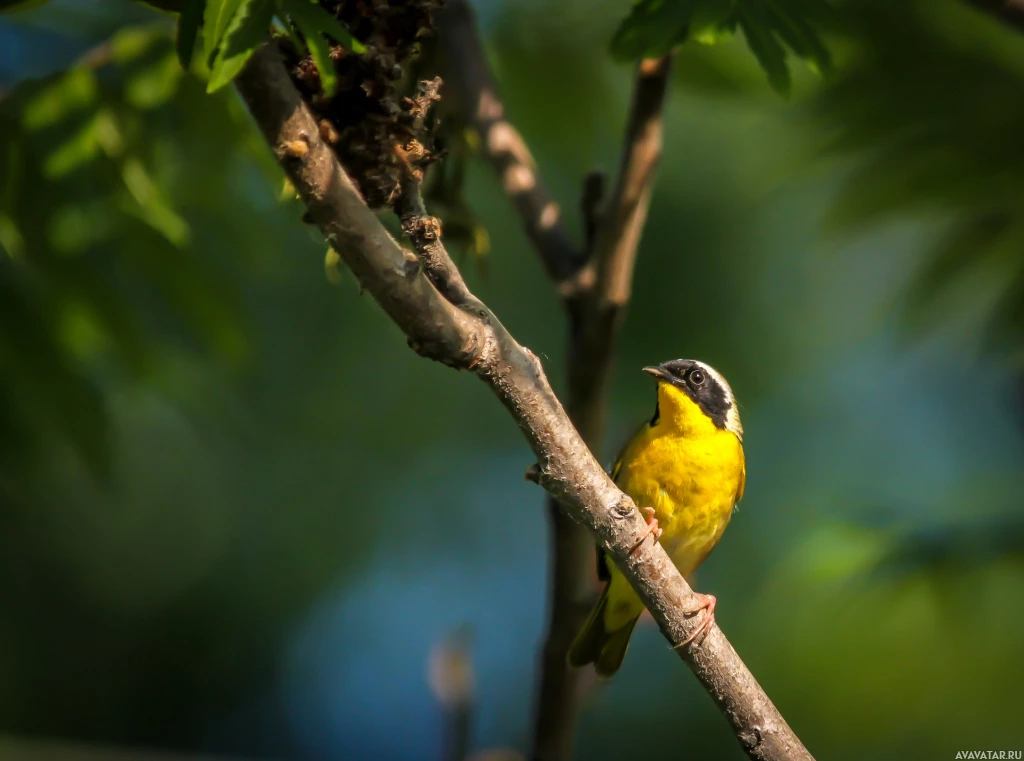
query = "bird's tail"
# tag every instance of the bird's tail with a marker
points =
(597, 644)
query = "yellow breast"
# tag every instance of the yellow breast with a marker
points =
(692, 476)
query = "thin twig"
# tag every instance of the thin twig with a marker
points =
(471, 87)
(425, 232)
(623, 216)
(462, 339)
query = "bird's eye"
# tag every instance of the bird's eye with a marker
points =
(697, 378)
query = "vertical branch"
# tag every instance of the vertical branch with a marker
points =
(600, 304)
(616, 240)
(595, 285)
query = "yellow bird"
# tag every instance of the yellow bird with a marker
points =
(685, 470)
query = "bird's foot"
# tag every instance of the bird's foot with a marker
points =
(706, 603)
(652, 528)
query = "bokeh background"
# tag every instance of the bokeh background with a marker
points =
(237, 514)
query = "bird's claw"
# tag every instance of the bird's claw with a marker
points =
(652, 528)
(706, 603)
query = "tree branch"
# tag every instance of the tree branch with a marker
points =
(616, 241)
(474, 339)
(600, 302)
(469, 84)
(626, 211)
(596, 293)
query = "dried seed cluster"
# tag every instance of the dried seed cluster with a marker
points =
(379, 135)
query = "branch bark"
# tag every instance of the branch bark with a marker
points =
(595, 287)
(597, 301)
(470, 337)
(469, 84)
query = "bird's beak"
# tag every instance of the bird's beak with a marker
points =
(656, 372)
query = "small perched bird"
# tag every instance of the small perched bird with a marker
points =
(685, 470)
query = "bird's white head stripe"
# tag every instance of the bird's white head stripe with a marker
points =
(732, 418)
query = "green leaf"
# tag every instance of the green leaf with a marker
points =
(74, 91)
(130, 44)
(652, 29)
(11, 240)
(216, 18)
(80, 148)
(957, 251)
(188, 27)
(153, 85)
(712, 22)
(314, 22)
(153, 208)
(799, 35)
(764, 45)
(246, 32)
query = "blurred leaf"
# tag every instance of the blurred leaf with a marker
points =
(78, 149)
(41, 377)
(712, 22)
(188, 29)
(152, 208)
(77, 227)
(655, 27)
(955, 252)
(10, 238)
(154, 85)
(71, 92)
(134, 42)
(94, 257)
(798, 33)
(935, 124)
(652, 29)
(754, 22)
(245, 33)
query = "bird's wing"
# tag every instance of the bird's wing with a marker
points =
(602, 564)
(617, 467)
(743, 482)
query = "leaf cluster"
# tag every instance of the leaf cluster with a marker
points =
(234, 29)
(773, 29)
(929, 106)
(96, 263)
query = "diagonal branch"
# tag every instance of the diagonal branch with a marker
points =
(474, 339)
(601, 293)
(596, 292)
